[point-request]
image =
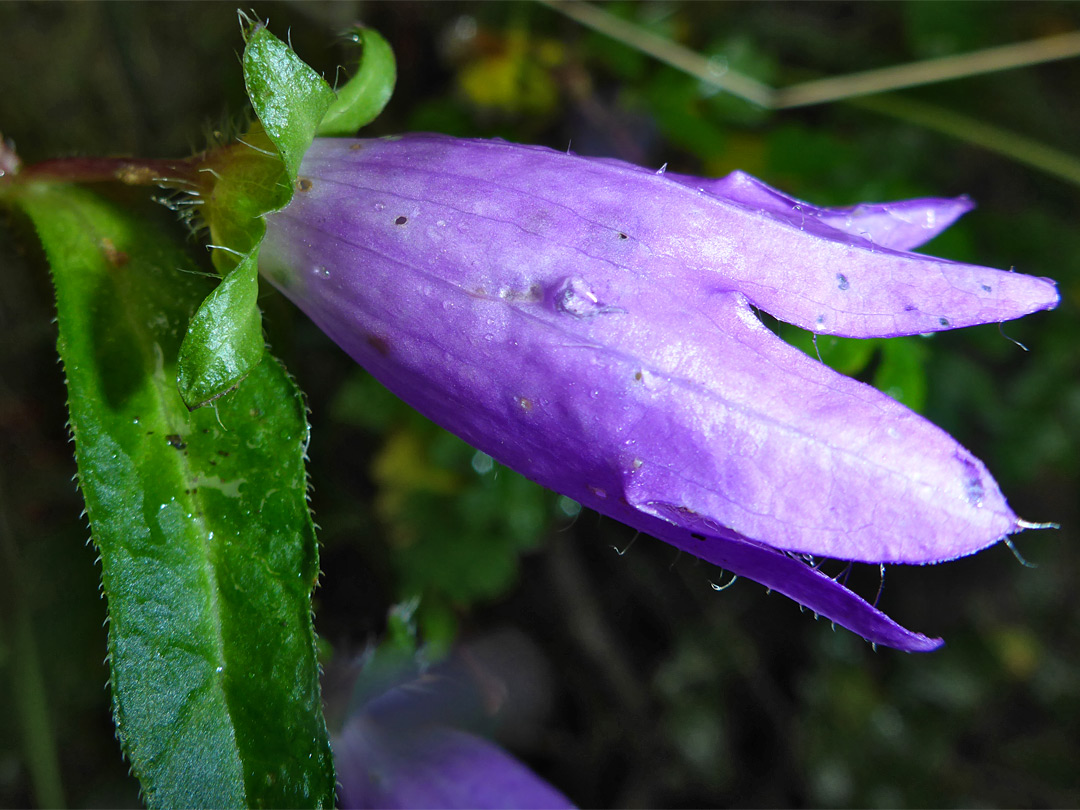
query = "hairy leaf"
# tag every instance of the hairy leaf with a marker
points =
(207, 548)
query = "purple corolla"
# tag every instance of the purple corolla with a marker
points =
(589, 323)
(396, 754)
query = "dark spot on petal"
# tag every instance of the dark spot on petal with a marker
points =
(533, 293)
(175, 441)
(623, 235)
(639, 376)
(943, 321)
(697, 536)
(973, 482)
(304, 184)
(379, 344)
(986, 288)
(401, 220)
(841, 281)
(910, 307)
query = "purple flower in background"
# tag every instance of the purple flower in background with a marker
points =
(589, 323)
(397, 752)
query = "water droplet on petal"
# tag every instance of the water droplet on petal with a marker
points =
(577, 299)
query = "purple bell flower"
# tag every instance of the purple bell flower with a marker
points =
(589, 323)
(395, 753)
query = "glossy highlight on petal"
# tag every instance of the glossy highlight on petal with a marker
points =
(590, 324)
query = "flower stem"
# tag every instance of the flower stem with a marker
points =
(178, 174)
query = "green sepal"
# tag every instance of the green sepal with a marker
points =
(224, 341)
(207, 549)
(254, 176)
(360, 100)
(289, 97)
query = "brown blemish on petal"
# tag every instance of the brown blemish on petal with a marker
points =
(379, 344)
(525, 403)
(356, 147)
(533, 293)
(303, 184)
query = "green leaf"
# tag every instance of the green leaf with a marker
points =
(207, 549)
(289, 97)
(224, 341)
(364, 96)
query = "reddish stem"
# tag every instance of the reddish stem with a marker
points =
(178, 174)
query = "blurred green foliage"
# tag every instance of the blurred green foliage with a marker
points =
(665, 693)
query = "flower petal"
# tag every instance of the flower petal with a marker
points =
(806, 273)
(792, 577)
(902, 225)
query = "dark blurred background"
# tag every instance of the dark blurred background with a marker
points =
(630, 681)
